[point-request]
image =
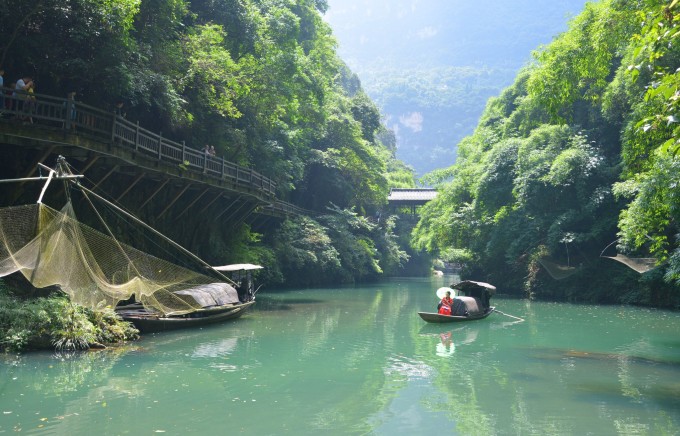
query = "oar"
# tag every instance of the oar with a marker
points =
(511, 316)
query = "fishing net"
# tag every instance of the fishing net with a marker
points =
(560, 271)
(52, 248)
(556, 270)
(638, 264)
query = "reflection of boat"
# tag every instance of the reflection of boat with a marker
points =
(95, 269)
(449, 339)
(472, 305)
(445, 346)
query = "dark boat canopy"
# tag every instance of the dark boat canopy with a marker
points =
(469, 286)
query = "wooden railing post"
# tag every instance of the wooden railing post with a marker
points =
(222, 173)
(160, 145)
(137, 137)
(205, 162)
(184, 152)
(113, 129)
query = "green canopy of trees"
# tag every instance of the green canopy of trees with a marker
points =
(581, 151)
(258, 79)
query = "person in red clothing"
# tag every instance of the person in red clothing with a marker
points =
(446, 304)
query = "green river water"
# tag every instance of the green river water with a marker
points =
(359, 360)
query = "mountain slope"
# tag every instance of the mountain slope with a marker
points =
(431, 66)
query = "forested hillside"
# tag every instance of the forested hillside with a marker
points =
(431, 66)
(581, 151)
(259, 80)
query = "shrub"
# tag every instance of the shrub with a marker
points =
(56, 322)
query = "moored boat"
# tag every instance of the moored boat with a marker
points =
(472, 304)
(147, 321)
(52, 248)
(218, 302)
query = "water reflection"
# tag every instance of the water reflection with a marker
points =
(445, 347)
(53, 374)
(446, 341)
(361, 361)
(213, 349)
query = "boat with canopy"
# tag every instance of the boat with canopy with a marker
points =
(52, 248)
(471, 302)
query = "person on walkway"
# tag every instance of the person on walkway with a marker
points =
(20, 92)
(446, 304)
(118, 110)
(22, 85)
(30, 104)
(212, 151)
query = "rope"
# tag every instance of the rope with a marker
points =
(511, 316)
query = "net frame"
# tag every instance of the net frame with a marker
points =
(52, 248)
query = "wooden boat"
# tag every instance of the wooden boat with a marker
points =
(152, 322)
(220, 301)
(52, 248)
(471, 305)
(439, 318)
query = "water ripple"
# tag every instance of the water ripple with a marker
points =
(412, 369)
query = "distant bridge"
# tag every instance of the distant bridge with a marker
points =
(106, 145)
(410, 199)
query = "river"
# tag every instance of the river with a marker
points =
(359, 360)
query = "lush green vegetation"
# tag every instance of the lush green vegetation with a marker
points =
(258, 79)
(580, 151)
(54, 321)
(432, 108)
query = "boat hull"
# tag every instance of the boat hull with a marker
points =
(439, 318)
(148, 322)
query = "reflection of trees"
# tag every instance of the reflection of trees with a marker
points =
(362, 340)
(538, 374)
(57, 374)
(55, 382)
(471, 376)
(349, 366)
(457, 375)
(356, 336)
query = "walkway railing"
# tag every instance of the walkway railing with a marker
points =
(76, 117)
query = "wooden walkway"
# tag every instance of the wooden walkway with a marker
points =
(60, 124)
